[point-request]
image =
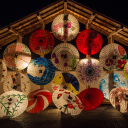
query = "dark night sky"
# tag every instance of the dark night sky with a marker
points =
(12, 10)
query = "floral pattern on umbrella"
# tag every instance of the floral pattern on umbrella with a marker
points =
(17, 56)
(111, 81)
(89, 71)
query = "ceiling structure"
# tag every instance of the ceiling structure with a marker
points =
(114, 30)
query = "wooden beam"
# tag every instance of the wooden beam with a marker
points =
(88, 25)
(14, 31)
(41, 21)
(65, 7)
(19, 39)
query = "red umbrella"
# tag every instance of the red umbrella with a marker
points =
(91, 98)
(89, 42)
(41, 42)
(38, 100)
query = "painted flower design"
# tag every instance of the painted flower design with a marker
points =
(121, 63)
(59, 37)
(69, 24)
(55, 87)
(56, 28)
(54, 55)
(60, 24)
(56, 61)
(59, 95)
(70, 105)
(67, 92)
(93, 34)
(61, 90)
(121, 50)
(109, 62)
(80, 107)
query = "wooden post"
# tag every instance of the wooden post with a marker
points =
(88, 25)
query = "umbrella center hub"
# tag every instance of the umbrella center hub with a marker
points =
(126, 96)
(87, 96)
(89, 41)
(15, 55)
(65, 87)
(10, 99)
(15, 87)
(69, 97)
(40, 71)
(65, 56)
(89, 71)
(114, 57)
(34, 96)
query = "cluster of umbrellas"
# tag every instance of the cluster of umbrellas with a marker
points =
(65, 57)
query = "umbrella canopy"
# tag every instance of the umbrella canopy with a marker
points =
(119, 98)
(91, 98)
(65, 81)
(65, 26)
(3, 71)
(89, 42)
(113, 56)
(38, 100)
(41, 42)
(17, 56)
(41, 71)
(17, 82)
(110, 81)
(89, 71)
(67, 102)
(126, 71)
(13, 103)
(65, 56)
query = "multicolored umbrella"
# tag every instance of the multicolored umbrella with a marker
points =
(126, 71)
(89, 42)
(41, 42)
(65, 81)
(3, 71)
(113, 56)
(38, 100)
(13, 103)
(89, 71)
(119, 99)
(67, 102)
(110, 81)
(91, 98)
(17, 82)
(65, 27)
(65, 56)
(17, 56)
(41, 71)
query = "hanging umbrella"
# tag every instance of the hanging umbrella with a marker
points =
(65, 81)
(13, 103)
(17, 82)
(91, 98)
(3, 71)
(110, 81)
(126, 71)
(38, 100)
(65, 26)
(119, 99)
(67, 102)
(89, 42)
(41, 71)
(113, 56)
(89, 71)
(41, 42)
(65, 56)
(17, 56)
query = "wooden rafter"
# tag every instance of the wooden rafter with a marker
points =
(14, 31)
(88, 25)
(41, 21)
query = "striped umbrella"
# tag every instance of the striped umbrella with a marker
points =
(65, 56)
(17, 82)
(65, 27)
(41, 71)
(67, 102)
(91, 98)
(119, 99)
(65, 81)
(110, 81)
(38, 100)
(13, 103)
(41, 42)
(89, 71)
(17, 56)
(89, 42)
(3, 71)
(126, 71)
(113, 56)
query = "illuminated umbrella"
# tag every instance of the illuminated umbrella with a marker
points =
(3, 71)
(65, 56)
(111, 81)
(67, 102)
(65, 26)
(119, 99)
(91, 98)
(89, 42)
(89, 71)
(126, 71)
(38, 100)
(65, 81)
(13, 103)
(17, 56)
(17, 82)
(113, 56)
(41, 71)
(41, 42)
